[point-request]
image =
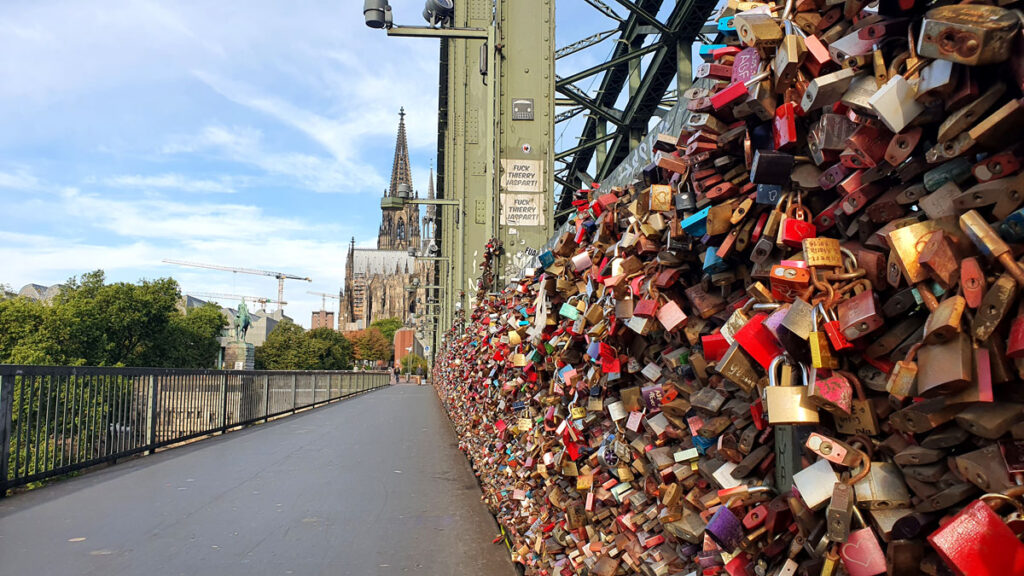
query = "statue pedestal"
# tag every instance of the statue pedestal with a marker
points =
(239, 356)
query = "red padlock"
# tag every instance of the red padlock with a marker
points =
(758, 341)
(714, 346)
(977, 541)
(835, 334)
(784, 133)
(1015, 343)
(797, 226)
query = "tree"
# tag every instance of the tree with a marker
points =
(371, 345)
(289, 347)
(283, 349)
(94, 323)
(331, 349)
(387, 327)
(414, 364)
(193, 337)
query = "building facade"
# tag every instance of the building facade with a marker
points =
(322, 319)
(376, 279)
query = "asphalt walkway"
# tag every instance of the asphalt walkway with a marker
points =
(374, 485)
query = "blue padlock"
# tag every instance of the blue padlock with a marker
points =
(1012, 229)
(696, 225)
(726, 26)
(706, 49)
(713, 264)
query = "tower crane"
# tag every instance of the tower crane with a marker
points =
(281, 276)
(262, 301)
(323, 298)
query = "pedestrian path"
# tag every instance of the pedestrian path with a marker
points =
(374, 485)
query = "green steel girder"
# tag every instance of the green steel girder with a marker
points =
(683, 25)
(583, 44)
(623, 59)
(612, 83)
(570, 113)
(604, 9)
(659, 76)
(588, 144)
(576, 95)
(646, 16)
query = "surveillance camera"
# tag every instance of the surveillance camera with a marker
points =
(377, 13)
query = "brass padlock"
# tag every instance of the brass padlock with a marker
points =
(944, 322)
(972, 34)
(883, 487)
(821, 352)
(945, 368)
(787, 404)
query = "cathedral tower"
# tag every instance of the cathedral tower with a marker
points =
(400, 229)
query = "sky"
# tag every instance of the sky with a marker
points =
(256, 134)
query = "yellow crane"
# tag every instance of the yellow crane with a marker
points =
(261, 300)
(281, 276)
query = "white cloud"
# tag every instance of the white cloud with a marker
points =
(20, 180)
(170, 181)
(155, 217)
(245, 145)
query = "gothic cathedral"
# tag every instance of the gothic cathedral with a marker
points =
(376, 280)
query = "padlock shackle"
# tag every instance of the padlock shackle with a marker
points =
(1002, 498)
(857, 387)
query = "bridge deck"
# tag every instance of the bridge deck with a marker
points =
(372, 485)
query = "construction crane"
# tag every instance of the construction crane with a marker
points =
(281, 276)
(323, 298)
(262, 301)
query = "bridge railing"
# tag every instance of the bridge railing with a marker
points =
(55, 420)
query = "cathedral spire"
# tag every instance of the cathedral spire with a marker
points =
(430, 185)
(400, 171)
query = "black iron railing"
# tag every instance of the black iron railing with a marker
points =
(55, 420)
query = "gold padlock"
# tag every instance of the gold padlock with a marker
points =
(787, 404)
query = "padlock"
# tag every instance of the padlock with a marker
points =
(946, 367)
(882, 487)
(787, 404)
(797, 226)
(789, 282)
(968, 542)
(990, 244)
(944, 322)
(861, 554)
(862, 418)
(968, 34)
(903, 378)
(821, 351)
(832, 392)
(859, 314)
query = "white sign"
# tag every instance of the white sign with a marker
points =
(522, 209)
(522, 175)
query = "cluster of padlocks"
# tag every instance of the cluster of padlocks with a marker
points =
(797, 346)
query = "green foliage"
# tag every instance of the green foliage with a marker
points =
(414, 364)
(387, 327)
(194, 336)
(289, 347)
(371, 345)
(97, 324)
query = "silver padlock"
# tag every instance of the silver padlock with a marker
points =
(896, 103)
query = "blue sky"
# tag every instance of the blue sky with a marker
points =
(255, 134)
